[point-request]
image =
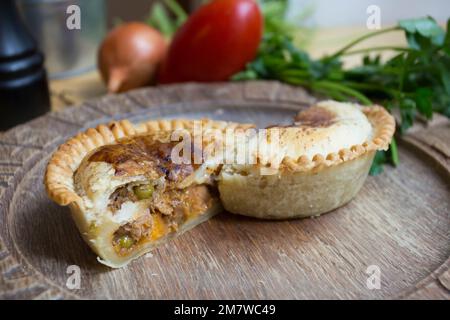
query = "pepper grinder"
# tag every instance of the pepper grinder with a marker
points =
(24, 90)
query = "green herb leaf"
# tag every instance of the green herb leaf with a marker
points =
(384, 157)
(445, 77)
(160, 17)
(179, 13)
(447, 39)
(408, 113)
(393, 153)
(426, 27)
(378, 161)
(423, 99)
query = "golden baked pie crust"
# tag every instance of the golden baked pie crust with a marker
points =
(383, 125)
(304, 186)
(59, 173)
(58, 178)
(60, 183)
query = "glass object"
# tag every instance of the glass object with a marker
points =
(68, 52)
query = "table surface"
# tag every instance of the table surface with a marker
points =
(399, 222)
(75, 90)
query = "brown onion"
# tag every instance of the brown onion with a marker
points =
(129, 56)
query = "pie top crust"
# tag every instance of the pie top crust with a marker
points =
(91, 156)
(325, 128)
(330, 133)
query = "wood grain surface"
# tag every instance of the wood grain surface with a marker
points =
(399, 222)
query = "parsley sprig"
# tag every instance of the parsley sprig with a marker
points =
(415, 82)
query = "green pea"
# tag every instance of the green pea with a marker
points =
(125, 242)
(93, 227)
(144, 191)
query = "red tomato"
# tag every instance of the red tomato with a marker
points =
(215, 42)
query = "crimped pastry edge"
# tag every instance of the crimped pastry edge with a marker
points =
(58, 178)
(383, 124)
(245, 195)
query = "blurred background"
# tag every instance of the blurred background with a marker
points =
(69, 53)
(68, 57)
(326, 12)
(331, 13)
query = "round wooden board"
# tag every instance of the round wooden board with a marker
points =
(399, 222)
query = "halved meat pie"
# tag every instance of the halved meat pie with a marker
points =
(127, 192)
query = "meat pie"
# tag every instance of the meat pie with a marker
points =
(126, 191)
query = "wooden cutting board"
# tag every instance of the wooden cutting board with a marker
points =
(398, 227)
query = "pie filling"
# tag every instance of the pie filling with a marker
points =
(165, 212)
(160, 204)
